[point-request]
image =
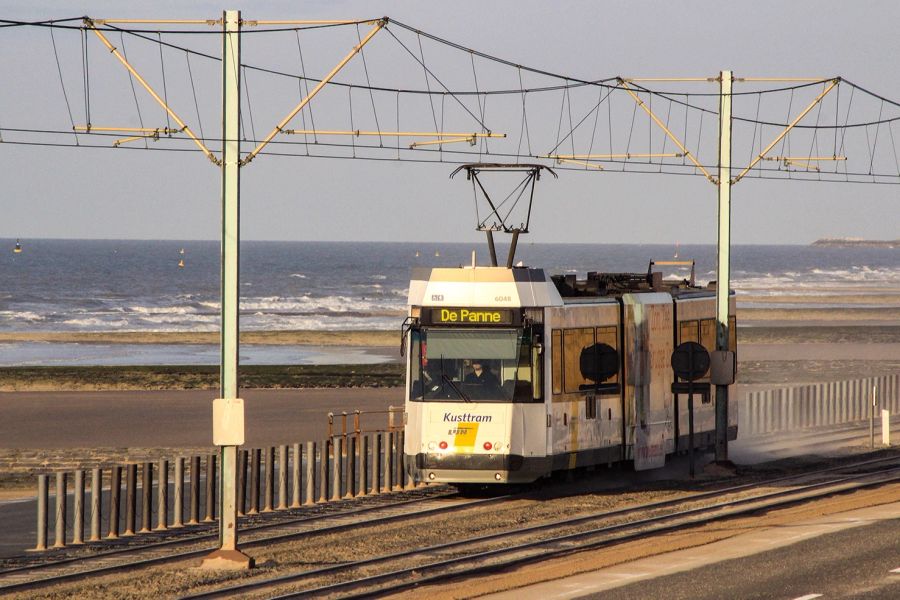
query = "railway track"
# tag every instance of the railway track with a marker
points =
(431, 501)
(494, 552)
(330, 518)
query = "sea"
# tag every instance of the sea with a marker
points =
(144, 285)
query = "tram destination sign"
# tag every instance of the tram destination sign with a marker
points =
(473, 316)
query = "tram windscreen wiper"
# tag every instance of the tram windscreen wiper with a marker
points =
(449, 380)
(455, 388)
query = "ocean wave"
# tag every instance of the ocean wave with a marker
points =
(360, 286)
(156, 310)
(763, 281)
(24, 315)
(176, 319)
(858, 273)
(819, 276)
(317, 323)
(306, 304)
(96, 323)
(814, 292)
(681, 273)
(813, 305)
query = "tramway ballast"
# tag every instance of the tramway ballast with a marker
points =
(513, 374)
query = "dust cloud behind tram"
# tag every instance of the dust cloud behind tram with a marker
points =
(513, 374)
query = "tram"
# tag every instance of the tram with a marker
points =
(513, 374)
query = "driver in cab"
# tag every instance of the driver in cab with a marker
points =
(481, 374)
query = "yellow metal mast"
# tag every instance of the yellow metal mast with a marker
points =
(90, 24)
(278, 128)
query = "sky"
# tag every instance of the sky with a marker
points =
(94, 193)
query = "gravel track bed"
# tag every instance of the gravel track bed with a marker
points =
(601, 491)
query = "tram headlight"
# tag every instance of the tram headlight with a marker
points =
(432, 445)
(498, 446)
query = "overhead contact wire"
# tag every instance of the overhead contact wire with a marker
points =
(891, 178)
(875, 142)
(436, 79)
(86, 78)
(187, 58)
(427, 81)
(137, 105)
(362, 54)
(305, 83)
(62, 85)
(162, 67)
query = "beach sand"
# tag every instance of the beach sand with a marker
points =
(867, 315)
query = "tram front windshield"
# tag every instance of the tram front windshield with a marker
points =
(468, 365)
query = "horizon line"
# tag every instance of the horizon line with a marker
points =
(499, 243)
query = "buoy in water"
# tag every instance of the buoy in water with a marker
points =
(181, 264)
(18, 248)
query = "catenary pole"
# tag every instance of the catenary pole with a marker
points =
(723, 262)
(231, 182)
(226, 427)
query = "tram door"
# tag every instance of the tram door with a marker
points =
(648, 378)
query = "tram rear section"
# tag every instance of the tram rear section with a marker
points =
(513, 374)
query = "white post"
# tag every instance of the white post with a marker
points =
(872, 418)
(886, 427)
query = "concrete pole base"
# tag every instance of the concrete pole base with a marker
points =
(226, 560)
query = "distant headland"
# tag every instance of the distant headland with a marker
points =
(850, 242)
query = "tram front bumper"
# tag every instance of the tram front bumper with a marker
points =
(470, 462)
(476, 468)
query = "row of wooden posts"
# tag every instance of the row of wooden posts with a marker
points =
(342, 466)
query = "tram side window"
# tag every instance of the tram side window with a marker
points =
(525, 385)
(732, 334)
(417, 389)
(556, 359)
(708, 334)
(574, 341)
(704, 332)
(610, 336)
(689, 331)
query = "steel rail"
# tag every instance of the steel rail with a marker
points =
(285, 523)
(790, 497)
(203, 537)
(467, 543)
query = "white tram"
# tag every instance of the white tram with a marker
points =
(573, 372)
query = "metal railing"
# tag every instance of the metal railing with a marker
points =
(818, 405)
(355, 423)
(345, 465)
